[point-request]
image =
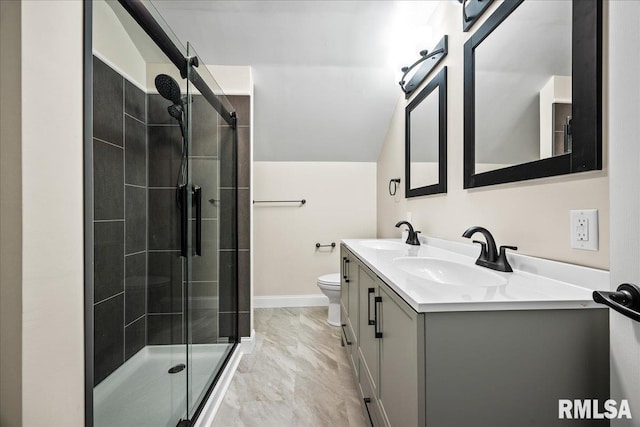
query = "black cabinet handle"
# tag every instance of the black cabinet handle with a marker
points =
(197, 201)
(370, 291)
(626, 300)
(376, 322)
(367, 400)
(346, 269)
(184, 219)
(345, 335)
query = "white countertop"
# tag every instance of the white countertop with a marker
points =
(535, 283)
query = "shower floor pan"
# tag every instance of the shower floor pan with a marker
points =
(142, 392)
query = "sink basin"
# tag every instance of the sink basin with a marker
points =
(449, 272)
(383, 245)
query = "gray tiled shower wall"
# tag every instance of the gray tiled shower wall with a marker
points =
(138, 294)
(241, 103)
(120, 220)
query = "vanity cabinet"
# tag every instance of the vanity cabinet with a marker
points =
(386, 356)
(468, 368)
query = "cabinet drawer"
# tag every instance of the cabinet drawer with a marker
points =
(369, 401)
(349, 341)
(348, 337)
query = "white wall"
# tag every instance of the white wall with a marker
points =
(340, 204)
(625, 197)
(533, 215)
(233, 79)
(52, 221)
(112, 44)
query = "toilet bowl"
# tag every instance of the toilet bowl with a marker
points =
(329, 284)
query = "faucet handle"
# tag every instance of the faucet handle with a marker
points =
(502, 249)
(483, 250)
(502, 261)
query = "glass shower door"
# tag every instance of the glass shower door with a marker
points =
(139, 348)
(211, 307)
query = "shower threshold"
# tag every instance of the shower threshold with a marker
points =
(142, 392)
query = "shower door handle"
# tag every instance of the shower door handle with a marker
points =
(197, 200)
(182, 195)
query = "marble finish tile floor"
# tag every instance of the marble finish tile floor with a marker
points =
(297, 375)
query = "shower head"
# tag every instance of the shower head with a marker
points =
(175, 111)
(168, 88)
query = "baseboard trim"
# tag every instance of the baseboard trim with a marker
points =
(248, 343)
(275, 301)
(246, 346)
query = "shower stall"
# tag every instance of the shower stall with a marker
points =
(161, 228)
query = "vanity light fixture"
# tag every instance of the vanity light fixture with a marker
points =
(436, 55)
(471, 11)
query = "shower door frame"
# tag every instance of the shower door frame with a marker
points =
(141, 15)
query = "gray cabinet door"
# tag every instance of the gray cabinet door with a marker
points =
(367, 341)
(349, 273)
(344, 283)
(354, 286)
(399, 380)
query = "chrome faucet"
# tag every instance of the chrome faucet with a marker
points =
(489, 257)
(412, 238)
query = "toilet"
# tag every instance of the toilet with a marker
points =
(329, 284)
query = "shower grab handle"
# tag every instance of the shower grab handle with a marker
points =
(182, 194)
(197, 200)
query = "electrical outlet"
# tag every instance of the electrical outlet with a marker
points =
(584, 229)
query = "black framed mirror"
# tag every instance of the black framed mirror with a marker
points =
(533, 92)
(426, 139)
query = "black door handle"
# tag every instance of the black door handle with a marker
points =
(370, 291)
(184, 219)
(197, 201)
(377, 300)
(626, 300)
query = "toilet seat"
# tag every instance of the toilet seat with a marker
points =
(330, 280)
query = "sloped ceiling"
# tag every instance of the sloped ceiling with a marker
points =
(325, 72)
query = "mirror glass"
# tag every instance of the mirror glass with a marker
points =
(526, 113)
(523, 87)
(426, 133)
(424, 142)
